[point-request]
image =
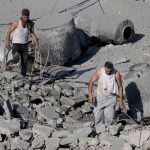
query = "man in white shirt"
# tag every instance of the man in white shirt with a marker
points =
(109, 84)
(22, 29)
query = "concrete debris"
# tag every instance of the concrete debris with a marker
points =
(9, 127)
(52, 143)
(137, 136)
(16, 143)
(48, 113)
(38, 143)
(58, 117)
(17, 83)
(67, 101)
(120, 144)
(60, 134)
(42, 130)
(25, 134)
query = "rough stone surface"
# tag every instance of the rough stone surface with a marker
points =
(9, 126)
(133, 138)
(19, 144)
(42, 130)
(67, 101)
(52, 143)
(60, 134)
(121, 145)
(25, 134)
(38, 143)
(48, 113)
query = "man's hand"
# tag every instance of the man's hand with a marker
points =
(37, 46)
(8, 45)
(121, 105)
(90, 98)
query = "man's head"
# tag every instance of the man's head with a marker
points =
(25, 15)
(109, 67)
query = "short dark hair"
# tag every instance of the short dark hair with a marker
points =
(109, 65)
(25, 12)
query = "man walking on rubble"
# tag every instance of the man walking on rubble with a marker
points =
(109, 82)
(22, 29)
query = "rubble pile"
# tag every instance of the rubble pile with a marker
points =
(57, 117)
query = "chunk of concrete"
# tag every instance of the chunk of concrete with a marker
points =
(19, 144)
(67, 101)
(69, 140)
(100, 128)
(120, 144)
(52, 143)
(9, 127)
(66, 86)
(42, 130)
(9, 75)
(137, 136)
(115, 129)
(86, 108)
(60, 134)
(56, 94)
(93, 141)
(4, 145)
(48, 113)
(17, 83)
(38, 143)
(25, 134)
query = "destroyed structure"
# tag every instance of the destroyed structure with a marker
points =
(46, 110)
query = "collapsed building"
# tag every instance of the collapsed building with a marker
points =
(36, 115)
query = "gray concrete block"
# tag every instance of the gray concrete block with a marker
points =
(42, 130)
(52, 143)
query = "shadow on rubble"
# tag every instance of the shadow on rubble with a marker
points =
(137, 37)
(134, 101)
(89, 47)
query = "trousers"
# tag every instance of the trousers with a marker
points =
(20, 50)
(104, 112)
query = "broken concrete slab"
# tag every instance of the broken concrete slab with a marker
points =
(5, 145)
(67, 101)
(66, 86)
(9, 75)
(100, 128)
(48, 113)
(23, 112)
(10, 126)
(69, 140)
(86, 108)
(120, 144)
(135, 137)
(60, 134)
(16, 143)
(115, 129)
(38, 143)
(52, 143)
(93, 141)
(42, 130)
(18, 83)
(26, 134)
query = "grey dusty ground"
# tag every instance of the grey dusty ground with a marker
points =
(57, 116)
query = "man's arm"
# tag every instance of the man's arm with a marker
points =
(90, 85)
(35, 39)
(10, 29)
(120, 90)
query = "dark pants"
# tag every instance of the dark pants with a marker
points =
(22, 51)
